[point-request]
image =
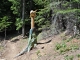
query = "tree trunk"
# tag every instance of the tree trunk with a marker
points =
(23, 20)
(31, 5)
(5, 33)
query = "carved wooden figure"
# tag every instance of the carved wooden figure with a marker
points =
(32, 16)
(32, 36)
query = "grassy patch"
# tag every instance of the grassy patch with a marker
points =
(64, 47)
(74, 46)
(69, 57)
(38, 52)
(78, 55)
(60, 45)
(68, 39)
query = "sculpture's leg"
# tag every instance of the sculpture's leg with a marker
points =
(35, 38)
(31, 42)
(32, 39)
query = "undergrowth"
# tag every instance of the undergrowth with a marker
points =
(69, 57)
(63, 47)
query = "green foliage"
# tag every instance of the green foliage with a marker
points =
(69, 57)
(43, 15)
(60, 45)
(4, 23)
(16, 9)
(18, 23)
(76, 1)
(15, 6)
(67, 39)
(74, 47)
(78, 55)
(13, 9)
(68, 11)
(42, 2)
(43, 18)
(63, 47)
(38, 52)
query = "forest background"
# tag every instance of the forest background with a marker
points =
(61, 14)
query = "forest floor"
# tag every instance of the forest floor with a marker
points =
(52, 48)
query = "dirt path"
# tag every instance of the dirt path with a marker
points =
(45, 50)
(11, 51)
(13, 47)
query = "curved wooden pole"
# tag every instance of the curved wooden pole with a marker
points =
(32, 22)
(32, 16)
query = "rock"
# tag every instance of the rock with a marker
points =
(0, 44)
(42, 47)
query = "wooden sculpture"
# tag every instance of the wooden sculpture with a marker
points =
(32, 36)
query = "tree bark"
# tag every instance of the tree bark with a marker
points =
(23, 20)
(5, 33)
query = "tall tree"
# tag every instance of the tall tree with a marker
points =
(18, 7)
(4, 23)
(23, 18)
(5, 17)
